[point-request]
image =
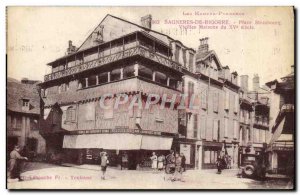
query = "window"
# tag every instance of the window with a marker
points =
(236, 103)
(204, 99)
(235, 130)
(190, 91)
(25, 103)
(248, 135)
(161, 78)
(115, 75)
(210, 156)
(34, 124)
(71, 114)
(195, 125)
(203, 127)
(215, 130)
(216, 101)
(103, 78)
(173, 83)
(145, 72)
(191, 60)
(227, 100)
(177, 49)
(184, 57)
(93, 80)
(128, 71)
(225, 127)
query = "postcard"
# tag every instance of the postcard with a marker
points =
(150, 98)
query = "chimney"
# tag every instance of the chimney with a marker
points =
(244, 82)
(146, 21)
(71, 48)
(203, 47)
(255, 82)
(24, 80)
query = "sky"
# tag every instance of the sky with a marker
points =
(39, 35)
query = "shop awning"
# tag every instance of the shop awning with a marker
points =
(105, 141)
(156, 143)
(120, 141)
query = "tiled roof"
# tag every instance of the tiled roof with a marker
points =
(17, 91)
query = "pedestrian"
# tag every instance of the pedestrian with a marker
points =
(104, 163)
(154, 161)
(170, 165)
(183, 161)
(229, 161)
(160, 164)
(177, 176)
(14, 164)
(219, 164)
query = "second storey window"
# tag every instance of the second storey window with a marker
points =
(71, 114)
(204, 99)
(145, 72)
(195, 125)
(191, 62)
(216, 101)
(227, 99)
(115, 75)
(203, 127)
(177, 50)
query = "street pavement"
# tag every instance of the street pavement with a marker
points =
(47, 176)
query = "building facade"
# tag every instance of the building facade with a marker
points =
(119, 57)
(23, 112)
(211, 127)
(281, 146)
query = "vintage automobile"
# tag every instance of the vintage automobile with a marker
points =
(253, 166)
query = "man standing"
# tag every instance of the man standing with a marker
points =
(183, 160)
(104, 163)
(14, 163)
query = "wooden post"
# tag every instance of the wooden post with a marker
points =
(86, 82)
(136, 70)
(153, 76)
(121, 76)
(97, 80)
(108, 77)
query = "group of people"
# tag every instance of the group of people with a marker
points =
(173, 164)
(223, 162)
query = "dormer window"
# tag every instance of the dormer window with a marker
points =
(25, 104)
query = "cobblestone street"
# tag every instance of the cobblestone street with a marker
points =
(40, 175)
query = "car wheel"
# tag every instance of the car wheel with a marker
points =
(249, 170)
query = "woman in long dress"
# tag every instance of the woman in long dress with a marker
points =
(154, 161)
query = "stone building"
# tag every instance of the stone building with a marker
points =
(213, 126)
(23, 111)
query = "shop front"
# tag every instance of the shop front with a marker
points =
(210, 153)
(127, 151)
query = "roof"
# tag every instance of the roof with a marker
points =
(17, 91)
(165, 39)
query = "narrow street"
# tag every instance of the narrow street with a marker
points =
(40, 175)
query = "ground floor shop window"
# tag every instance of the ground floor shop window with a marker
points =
(210, 156)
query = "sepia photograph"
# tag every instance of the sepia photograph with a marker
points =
(150, 98)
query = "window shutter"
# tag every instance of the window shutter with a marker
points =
(225, 127)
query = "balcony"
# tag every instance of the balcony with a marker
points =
(136, 49)
(130, 85)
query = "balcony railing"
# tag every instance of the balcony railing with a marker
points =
(126, 53)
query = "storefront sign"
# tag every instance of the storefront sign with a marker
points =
(116, 130)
